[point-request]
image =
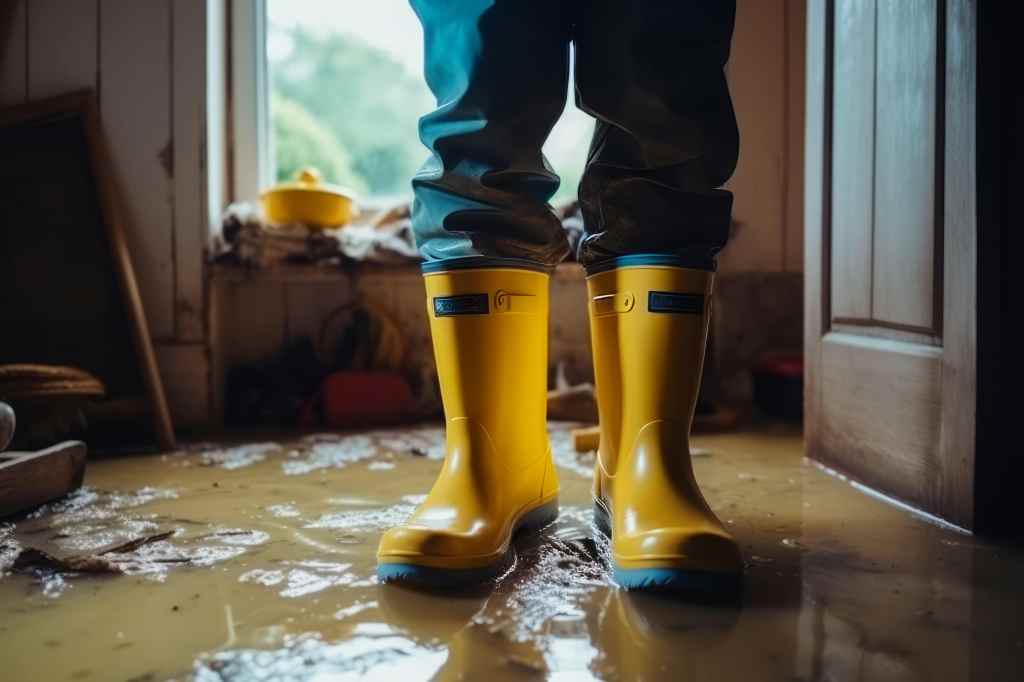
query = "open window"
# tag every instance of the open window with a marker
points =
(338, 85)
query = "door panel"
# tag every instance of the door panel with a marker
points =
(853, 153)
(904, 288)
(890, 360)
(883, 410)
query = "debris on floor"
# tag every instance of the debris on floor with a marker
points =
(270, 574)
(110, 560)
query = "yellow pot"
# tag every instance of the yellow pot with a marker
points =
(309, 201)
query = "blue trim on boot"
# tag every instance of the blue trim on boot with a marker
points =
(676, 580)
(641, 259)
(447, 578)
(439, 578)
(700, 584)
(478, 262)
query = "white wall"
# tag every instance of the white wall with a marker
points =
(766, 79)
(146, 60)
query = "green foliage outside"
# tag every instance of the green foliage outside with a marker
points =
(301, 141)
(352, 111)
(349, 109)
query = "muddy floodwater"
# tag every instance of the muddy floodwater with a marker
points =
(255, 561)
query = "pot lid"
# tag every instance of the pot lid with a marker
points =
(311, 180)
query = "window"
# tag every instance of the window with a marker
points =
(346, 90)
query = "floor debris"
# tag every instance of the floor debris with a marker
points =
(273, 578)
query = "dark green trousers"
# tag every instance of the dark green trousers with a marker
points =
(650, 72)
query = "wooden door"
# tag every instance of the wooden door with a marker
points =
(890, 326)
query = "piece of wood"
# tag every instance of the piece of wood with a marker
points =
(110, 201)
(29, 479)
(74, 263)
(573, 403)
(32, 559)
(586, 439)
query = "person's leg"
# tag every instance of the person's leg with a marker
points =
(651, 73)
(488, 238)
(654, 219)
(499, 70)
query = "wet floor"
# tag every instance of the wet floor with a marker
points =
(268, 573)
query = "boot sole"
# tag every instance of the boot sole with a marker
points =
(442, 578)
(700, 584)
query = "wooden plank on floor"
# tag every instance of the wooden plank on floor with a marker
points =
(28, 479)
(135, 105)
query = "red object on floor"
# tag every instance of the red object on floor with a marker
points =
(355, 398)
(782, 365)
(779, 386)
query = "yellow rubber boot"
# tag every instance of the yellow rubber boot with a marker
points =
(648, 326)
(489, 328)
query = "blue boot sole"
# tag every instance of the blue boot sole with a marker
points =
(447, 578)
(702, 584)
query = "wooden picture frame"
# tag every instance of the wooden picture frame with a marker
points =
(82, 106)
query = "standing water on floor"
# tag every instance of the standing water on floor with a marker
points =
(256, 561)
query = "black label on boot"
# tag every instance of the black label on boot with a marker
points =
(673, 302)
(466, 304)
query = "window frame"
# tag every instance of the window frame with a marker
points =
(251, 146)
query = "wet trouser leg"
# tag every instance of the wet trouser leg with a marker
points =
(499, 70)
(651, 73)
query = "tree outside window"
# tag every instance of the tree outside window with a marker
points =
(347, 92)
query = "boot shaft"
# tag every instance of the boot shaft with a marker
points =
(489, 329)
(648, 327)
